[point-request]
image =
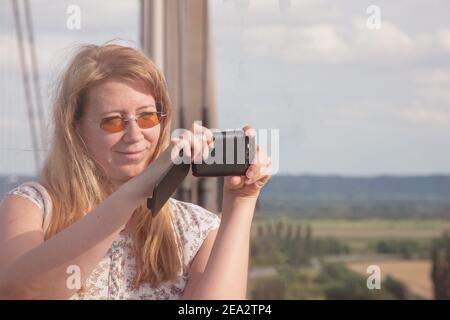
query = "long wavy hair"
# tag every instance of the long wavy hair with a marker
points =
(76, 182)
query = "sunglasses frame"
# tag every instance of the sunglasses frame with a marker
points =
(160, 115)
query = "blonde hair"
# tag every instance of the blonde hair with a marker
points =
(76, 183)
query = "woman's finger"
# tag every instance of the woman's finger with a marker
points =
(266, 168)
(253, 173)
(249, 131)
(206, 147)
(209, 136)
(203, 140)
(197, 149)
(202, 132)
(235, 182)
(261, 182)
(260, 169)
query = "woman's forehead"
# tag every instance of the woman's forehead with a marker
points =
(120, 95)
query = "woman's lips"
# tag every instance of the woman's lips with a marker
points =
(135, 155)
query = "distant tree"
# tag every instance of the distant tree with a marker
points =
(383, 247)
(308, 240)
(269, 288)
(440, 274)
(279, 228)
(396, 288)
(339, 283)
(269, 228)
(264, 251)
(298, 231)
(260, 231)
(289, 232)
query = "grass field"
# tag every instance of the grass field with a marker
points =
(399, 246)
(382, 229)
(415, 275)
(379, 229)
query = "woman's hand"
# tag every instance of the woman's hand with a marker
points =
(195, 145)
(257, 175)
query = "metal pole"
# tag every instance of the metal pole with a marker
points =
(35, 70)
(202, 184)
(184, 189)
(26, 83)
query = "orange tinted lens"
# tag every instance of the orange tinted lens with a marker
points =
(112, 124)
(148, 120)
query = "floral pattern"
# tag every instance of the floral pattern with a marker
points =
(113, 277)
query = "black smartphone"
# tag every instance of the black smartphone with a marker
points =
(232, 154)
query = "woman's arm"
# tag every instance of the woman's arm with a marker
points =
(220, 269)
(224, 276)
(33, 269)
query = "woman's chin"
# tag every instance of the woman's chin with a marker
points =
(126, 173)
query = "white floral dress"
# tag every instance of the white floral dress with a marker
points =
(114, 275)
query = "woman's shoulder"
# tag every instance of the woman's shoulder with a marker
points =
(32, 191)
(37, 194)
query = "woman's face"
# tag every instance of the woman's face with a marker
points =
(123, 154)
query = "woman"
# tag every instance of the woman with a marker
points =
(84, 232)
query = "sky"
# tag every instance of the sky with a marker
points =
(346, 99)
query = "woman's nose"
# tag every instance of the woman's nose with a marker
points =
(132, 132)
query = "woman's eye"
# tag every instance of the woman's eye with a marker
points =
(147, 114)
(114, 119)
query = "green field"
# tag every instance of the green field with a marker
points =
(298, 258)
(359, 229)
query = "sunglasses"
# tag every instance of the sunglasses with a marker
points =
(144, 120)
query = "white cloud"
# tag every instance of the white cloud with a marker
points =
(427, 105)
(326, 43)
(378, 114)
(444, 39)
(45, 47)
(389, 40)
(254, 12)
(319, 42)
(433, 77)
(433, 89)
(428, 116)
(298, 44)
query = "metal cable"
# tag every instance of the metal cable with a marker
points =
(35, 69)
(26, 82)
